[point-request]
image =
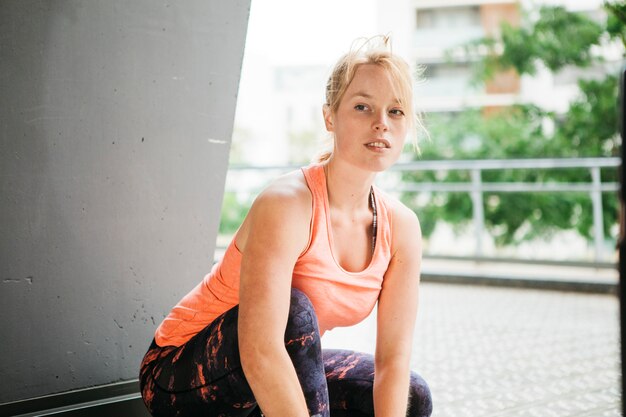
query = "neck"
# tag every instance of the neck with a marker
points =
(348, 187)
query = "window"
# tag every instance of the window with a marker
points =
(448, 17)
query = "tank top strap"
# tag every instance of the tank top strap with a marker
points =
(314, 175)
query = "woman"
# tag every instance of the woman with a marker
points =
(319, 247)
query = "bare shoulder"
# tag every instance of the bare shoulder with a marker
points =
(405, 225)
(285, 203)
(290, 189)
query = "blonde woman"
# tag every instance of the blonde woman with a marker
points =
(318, 249)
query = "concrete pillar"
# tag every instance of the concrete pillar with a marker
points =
(115, 128)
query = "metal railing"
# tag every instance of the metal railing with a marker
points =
(476, 188)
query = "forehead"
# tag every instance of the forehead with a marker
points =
(372, 80)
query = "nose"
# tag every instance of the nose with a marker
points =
(380, 122)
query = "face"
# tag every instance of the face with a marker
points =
(369, 125)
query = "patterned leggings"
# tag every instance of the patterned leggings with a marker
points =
(204, 376)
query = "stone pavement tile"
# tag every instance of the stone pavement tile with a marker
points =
(488, 351)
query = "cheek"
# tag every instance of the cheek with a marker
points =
(402, 130)
(346, 130)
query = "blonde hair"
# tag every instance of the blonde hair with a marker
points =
(376, 51)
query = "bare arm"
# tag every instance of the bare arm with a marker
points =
(397, 310)
(276, 233)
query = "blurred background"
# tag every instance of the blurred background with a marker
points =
(501, 84)
(515, 184)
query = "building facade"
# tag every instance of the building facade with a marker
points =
(279, 117)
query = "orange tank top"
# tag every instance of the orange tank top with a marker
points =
(340, 298)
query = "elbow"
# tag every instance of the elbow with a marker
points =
(249, 354)
(251, 362)
(256, 354)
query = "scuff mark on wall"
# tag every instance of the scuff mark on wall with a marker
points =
(218, 141)
(28, 279)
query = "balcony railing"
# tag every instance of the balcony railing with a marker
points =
(250, 179)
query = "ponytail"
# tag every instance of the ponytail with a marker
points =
(323, 156)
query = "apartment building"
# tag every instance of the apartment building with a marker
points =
(440, 27)
(436, 29)
(279, 112)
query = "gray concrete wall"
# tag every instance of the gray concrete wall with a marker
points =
(115, 127)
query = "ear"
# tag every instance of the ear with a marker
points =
(328, 118)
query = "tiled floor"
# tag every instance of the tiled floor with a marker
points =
(488, 351)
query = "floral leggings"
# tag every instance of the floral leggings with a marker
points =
(204, 376)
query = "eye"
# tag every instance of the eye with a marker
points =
(397, 112)
(360, 107)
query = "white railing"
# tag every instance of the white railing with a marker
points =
(476, 188)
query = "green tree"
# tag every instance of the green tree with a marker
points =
(554, 38)
(233, 213)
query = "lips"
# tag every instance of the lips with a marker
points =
(379, 143)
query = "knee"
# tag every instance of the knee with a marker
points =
(420, 400)
(302, 320)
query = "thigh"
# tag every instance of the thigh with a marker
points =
(203, 376)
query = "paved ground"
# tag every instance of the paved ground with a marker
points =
(489, 351)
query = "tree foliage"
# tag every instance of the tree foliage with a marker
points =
(556, 39)
(233, 213)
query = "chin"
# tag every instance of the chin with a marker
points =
(380, 165)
